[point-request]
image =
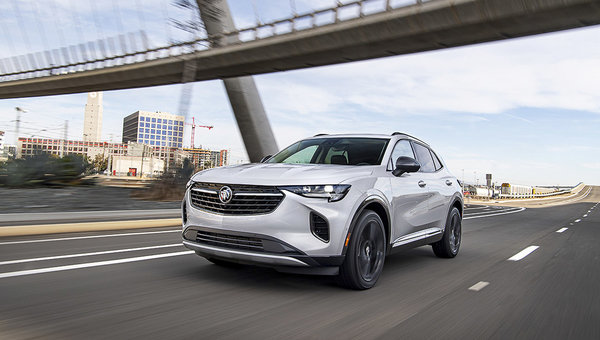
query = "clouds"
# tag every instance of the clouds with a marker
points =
(486, 79)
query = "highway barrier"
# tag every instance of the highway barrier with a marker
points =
(41, 229)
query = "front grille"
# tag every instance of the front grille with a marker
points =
(247, 199)
(230, 241)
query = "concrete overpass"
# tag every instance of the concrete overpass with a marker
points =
(430, 25)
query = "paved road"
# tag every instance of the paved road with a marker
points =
(166, 292)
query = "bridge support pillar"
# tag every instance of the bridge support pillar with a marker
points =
(243, 95)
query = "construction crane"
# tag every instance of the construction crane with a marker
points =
(193, 125)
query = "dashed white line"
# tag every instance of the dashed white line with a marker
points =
(520, 255)
(561, 230)
(92, 264)
(88, 254)
(479, 286)
(495, 214)
(93, 236)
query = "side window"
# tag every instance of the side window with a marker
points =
(436, 161)
(402, 148)
(424, 157)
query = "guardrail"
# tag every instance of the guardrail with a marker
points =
(135, 47)
(576, 188)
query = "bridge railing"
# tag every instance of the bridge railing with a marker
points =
(135, 47)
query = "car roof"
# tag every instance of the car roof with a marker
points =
(350, 135)
(367, 135)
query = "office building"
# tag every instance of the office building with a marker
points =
(157, 129)
(92, 120)
(35, 146)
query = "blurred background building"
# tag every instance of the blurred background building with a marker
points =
(154, 129)
(152, 142)
(92, 121)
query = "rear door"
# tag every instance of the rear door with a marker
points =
(431, 181)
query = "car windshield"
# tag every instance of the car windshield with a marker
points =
(342, 151)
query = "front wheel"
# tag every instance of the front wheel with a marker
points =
(449, 245)
(366, 253)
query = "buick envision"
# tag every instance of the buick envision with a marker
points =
(330, 204)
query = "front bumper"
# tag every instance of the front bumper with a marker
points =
(255, 249)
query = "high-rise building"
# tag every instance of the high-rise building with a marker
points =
(154, 129)
(92, 122)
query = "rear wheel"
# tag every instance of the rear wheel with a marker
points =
(366, 253)
(449, 245)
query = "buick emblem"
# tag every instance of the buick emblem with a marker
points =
(225, 195)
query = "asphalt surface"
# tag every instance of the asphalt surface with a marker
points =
(551, 293)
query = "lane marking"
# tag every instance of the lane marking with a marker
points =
(491, 211)
(561, 230)
(585, 215)
(577, 220)
(88, 254)
(93, 236)
(92, 264)
(496, 214)
(477, 207)
(479, 286)
(520, 255)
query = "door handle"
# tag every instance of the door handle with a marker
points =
(448, 182)
(422, 184)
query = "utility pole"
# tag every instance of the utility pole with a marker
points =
(142, 165)
(18, 123)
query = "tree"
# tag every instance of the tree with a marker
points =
(100, 163)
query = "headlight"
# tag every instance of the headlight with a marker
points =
(333, 192)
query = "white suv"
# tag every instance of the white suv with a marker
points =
(330, 204)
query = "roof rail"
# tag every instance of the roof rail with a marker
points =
(407, 135)
(320, 134)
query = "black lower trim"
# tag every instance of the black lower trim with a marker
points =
(323, 260)
(418, 243)
(270, 245)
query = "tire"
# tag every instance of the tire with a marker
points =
(449, 245)
(366, 253)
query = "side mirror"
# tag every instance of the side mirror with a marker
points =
(405, 164)
(266, 158)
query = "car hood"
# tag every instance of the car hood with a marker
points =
(282, 174)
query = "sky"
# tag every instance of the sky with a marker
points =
(526, 110)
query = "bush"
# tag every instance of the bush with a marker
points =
(44, 170)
